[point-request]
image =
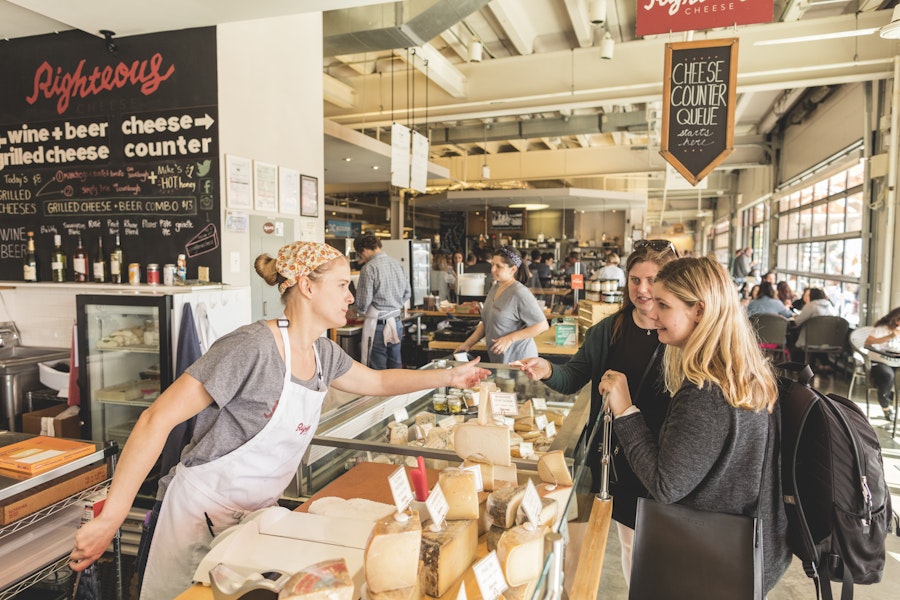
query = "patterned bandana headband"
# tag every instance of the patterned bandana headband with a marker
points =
(302, 258)
(512, 255)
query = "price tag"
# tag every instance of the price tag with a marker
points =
(401, 415)
(577, 281)
(437, 507)
(489, 576)
(541, 422)
(461, 356)
(400, 489)
(531, 504)
(526, 449)
(447, 423)
(539, 403)
(504, 403)
(479, 483)
(550, 430)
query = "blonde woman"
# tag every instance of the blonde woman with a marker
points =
(709, 454)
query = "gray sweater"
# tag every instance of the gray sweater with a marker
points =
(708, 456)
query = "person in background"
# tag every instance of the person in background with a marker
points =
(546, 271)
(770, 277)
(785, 293)
(257, 395)
(625, 341)
(441, 276)
(483, 266)
(471, 259)
(817, 305)
(802, 301)
(381, 293)
(766, 303)
(511, 316)
(455, 269)
(573, 262)
(717, 437)
(534, 267)
(743, 262)
(611, 270)
(885, 336)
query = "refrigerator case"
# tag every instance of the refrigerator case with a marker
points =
(415, 256)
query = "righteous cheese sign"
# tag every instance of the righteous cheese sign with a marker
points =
(664, 16)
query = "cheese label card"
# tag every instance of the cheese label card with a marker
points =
(400, 489)
(509, 422)
(539, 403)
(526, 449)
(437, 507)
(504, 403)
(531, 504)
(447, 423)
(479, 483)
(541, 422)
(462, 593)
(401, 415)
(550, 430)
(461, 357)
(489, 576)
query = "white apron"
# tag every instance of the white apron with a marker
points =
(203, 500)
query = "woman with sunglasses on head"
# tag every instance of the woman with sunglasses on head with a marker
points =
(625, 341)
(257, 395)
(511, 315)
(711, 450)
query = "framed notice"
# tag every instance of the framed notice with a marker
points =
(238, 179)
(699, 84)
(265, 187)
(507, 219)
(288, 191)
(309, 196)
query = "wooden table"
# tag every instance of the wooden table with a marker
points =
(546, 345)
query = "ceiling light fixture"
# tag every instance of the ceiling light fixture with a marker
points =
(347, 159)
(475, 50)
(597, 11)
(834, 35)
(530, 206)
(111, 46)
(607, 46)
(891, 31)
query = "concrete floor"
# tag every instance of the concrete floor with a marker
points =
(795, 585)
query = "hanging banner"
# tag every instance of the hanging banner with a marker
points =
(699, 84)
(667, 16)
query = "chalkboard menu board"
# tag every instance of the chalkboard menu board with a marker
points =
(698, 105)
(96, 144)
(453, 231)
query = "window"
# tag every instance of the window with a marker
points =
(755, 233)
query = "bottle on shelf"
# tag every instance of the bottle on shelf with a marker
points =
(30, 266)
(100, 262)
(58, 261)
(181, 269)
(79, 263)
(116, 262)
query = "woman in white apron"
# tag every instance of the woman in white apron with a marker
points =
(255, 418)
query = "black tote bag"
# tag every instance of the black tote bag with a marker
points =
(682, 553)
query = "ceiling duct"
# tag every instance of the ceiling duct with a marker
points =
(392, 25)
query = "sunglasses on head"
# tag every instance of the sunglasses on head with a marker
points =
(657, 245)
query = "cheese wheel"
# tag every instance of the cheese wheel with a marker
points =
(459, 489)
(413, 592)
(391, 558)
(552, 468)
(521, 592)
(490, 441)
(521, 554)
(446, 554)
(484, 524)
(326, 580)
(492, 537)
(502, 505)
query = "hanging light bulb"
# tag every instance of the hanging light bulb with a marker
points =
(607, 46)
(475, 50)
(485, 171)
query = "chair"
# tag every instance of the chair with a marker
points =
(771, 330)
(861, 363)
(825, 335)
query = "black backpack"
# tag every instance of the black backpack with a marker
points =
(835, 495)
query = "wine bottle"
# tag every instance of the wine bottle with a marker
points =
(116, 262)
(100, 262)
(80, 263)
(59, 261)
(30, 267)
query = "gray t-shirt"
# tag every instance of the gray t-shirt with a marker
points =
(244, 373)
(515, 309)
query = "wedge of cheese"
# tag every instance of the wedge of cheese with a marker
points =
(561, 495)
(521, 592)
(490, 441)
(549, 513)
(484, 524)
(398, 433)
(425, 418)
(552, 468)
(526, 409)
(391, 558)
(502, 505)
(521, 554)
(326, 580)
(459, 489)
(413, 592)
(439, 438)
(492, 537)
(446, 554)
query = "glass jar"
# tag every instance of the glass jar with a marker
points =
(454, 405)
(439, 403)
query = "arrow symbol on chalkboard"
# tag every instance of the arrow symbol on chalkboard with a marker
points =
(205, 120)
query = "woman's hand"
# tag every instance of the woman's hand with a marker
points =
(91, 541)
(614, 389)
(462, 348)
(468, 374)
(501, 344)
(536, 368)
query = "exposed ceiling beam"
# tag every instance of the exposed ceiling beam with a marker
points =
(428, 61)
(337, 92)
(515, 23)
(581, 25)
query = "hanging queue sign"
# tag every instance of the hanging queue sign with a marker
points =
(698, 105)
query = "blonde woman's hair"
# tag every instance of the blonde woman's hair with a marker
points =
(265, 268)
(722, 349)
